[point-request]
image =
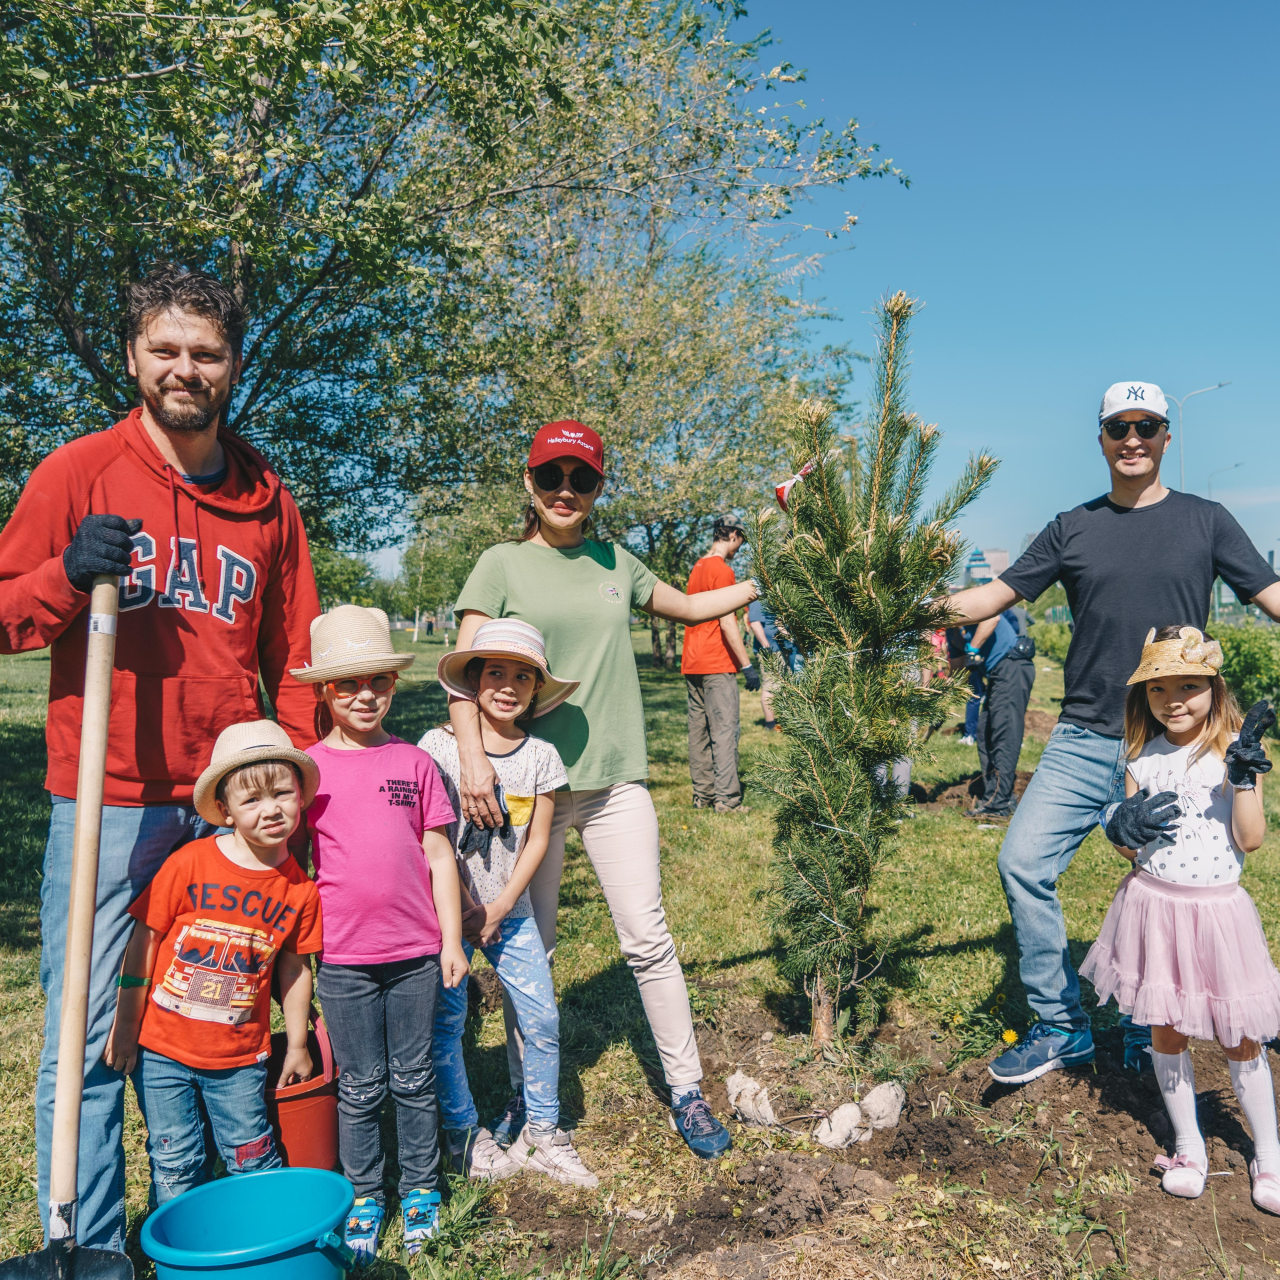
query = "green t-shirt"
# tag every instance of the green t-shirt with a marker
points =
(581, 601)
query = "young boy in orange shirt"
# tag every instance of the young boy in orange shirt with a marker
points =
(219, 916)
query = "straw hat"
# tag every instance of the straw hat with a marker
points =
(241, 744)
(350, 641)
(505, 638)
(1187, 654)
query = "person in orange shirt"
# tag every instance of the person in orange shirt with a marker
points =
(713, 656)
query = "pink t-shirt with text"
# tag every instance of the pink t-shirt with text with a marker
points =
(366, 826)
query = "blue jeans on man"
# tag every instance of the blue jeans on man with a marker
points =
(136, 839)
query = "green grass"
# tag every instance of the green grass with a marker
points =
(939, 911)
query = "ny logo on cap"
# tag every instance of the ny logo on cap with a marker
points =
(1137, 393)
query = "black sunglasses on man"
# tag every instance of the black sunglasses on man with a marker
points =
(1145, 427)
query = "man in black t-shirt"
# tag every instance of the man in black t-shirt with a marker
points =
(1141, 556)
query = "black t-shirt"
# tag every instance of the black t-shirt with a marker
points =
(1126, 570)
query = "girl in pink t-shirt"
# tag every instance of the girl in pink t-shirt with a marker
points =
(390, 895)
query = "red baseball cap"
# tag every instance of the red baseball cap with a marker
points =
(567, 439)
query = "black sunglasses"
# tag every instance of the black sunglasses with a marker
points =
(1145, 427)
(549, 476)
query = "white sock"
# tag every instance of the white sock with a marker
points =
(1177, 1079)
(1252, 1083)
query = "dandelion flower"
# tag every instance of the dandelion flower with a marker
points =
(1010, 1037)
(957, 1019)
(1000, 998)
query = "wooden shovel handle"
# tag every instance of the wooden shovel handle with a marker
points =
(73, 1029)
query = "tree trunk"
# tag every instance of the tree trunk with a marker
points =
(655, 628)
(824, 1014)
(671, 644)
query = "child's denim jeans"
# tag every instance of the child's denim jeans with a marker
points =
(170, 1095)
(379, 1018)
(521, 962)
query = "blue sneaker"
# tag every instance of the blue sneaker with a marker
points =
(363, 1225)
(421, 1218)
(1041, 1050)
(506, 1128)
(705, 1135)
(1137, 1046)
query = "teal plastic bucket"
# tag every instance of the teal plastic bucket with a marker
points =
(281, 1224)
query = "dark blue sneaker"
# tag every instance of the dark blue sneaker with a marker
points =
(1041, 1050)
(1137, 1046)
(704, 1134)
(506, 1128)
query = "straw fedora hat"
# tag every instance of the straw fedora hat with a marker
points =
(1187, 654)
(241, 744)
(350, 641)
(505, 638)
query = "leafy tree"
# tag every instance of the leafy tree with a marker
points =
(1251, 662)
(853, 571)
(368, 176)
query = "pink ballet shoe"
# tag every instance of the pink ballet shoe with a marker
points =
(1266, 1189)
(1183, 1177)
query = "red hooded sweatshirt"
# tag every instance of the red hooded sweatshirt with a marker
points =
(221, 590)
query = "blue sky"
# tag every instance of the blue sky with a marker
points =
(1093, 199)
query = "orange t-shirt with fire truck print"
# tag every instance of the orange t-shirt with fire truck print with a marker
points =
(223, 926)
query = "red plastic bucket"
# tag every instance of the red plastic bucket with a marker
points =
(304, 1116)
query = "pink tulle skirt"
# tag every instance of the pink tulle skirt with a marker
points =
(1186, 957)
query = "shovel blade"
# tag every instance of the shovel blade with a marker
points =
(64, 1261)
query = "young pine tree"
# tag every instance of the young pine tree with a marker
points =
(853, 571)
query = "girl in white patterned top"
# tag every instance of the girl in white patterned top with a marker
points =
(505, 673)
(1182, 948)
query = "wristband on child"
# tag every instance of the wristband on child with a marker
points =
(128, 980)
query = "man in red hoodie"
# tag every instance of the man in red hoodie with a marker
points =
(216, 592)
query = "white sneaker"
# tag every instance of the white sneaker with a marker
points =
(552, 1154)
(968, 741)
(475, 1153)
(1182, 1176)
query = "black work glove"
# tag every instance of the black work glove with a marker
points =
(476, 837)
(1245, 758)
(752, 677)
(1138, 820)
(101, 545)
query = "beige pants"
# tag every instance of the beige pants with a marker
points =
(619, 831)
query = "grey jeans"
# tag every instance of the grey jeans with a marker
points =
(713, 738)
(1001, 724)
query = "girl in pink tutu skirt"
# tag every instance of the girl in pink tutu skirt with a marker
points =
(1182, 948)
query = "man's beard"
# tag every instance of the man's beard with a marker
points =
(190, 417)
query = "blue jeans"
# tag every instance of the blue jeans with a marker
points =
(170, 1095)
(379, 1018)
(136, 839)
(1080, 773)
(973, 708)
(521, 962)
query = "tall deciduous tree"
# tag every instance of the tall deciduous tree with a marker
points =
(853, 572)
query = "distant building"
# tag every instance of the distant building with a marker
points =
(983, 566)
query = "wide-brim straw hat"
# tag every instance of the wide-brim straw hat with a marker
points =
(1187, 654)
(350, 641)
(505, 638)
(241, 744)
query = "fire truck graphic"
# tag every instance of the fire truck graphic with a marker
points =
(216, 972)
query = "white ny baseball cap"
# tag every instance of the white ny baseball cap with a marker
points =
(1122, 396)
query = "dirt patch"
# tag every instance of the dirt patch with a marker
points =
(1040, 724)
(961, 795)
(1072, 1152)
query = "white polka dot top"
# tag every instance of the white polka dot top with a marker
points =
(1199, 850)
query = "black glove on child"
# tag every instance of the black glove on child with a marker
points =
(1138, 820)
(101, 545)
(1245, 758)
(752, 677)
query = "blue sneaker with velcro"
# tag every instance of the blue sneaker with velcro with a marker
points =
(421, 1210)
(1041, 1050)
(364, 1223)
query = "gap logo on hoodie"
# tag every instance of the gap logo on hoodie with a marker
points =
(237, 579)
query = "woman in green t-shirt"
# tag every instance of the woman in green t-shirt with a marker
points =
(580, 593)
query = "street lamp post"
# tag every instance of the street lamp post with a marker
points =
(1218, 472)
(1182, 465)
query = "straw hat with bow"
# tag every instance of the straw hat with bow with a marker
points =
(350, 641)
(505, 638)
